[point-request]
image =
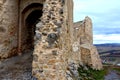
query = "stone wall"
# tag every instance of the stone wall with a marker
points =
(48, 59)
(8, 27)
(25, 3)
(26, 7)
(12, 25)
(83, 31)
(83, 35)
(59, 46)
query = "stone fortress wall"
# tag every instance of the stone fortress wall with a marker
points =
(46, 26)
(13, 31)
(8, 27)
(83, 35)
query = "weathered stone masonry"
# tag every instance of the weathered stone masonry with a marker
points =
(49, 61)
(16, 31)
(47, 27)
(8, 27)
(83, 35)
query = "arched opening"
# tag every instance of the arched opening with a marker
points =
(29, 17)
(30, 23)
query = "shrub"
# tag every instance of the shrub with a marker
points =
(87, 73)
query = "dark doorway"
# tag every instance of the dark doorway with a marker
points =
(28, 19)
(30, 23)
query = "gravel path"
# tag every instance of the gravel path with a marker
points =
(112, 76)
(17, 68)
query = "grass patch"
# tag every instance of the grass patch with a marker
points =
(116, 69)
(87, 73)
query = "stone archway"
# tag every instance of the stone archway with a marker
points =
(28, 20)
(30, 23)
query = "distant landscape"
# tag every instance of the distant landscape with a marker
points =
(109, 53)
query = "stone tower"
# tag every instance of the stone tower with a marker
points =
(46, 27)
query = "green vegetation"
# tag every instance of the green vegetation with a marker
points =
(107, 64)
(87, 73)
(116, 69)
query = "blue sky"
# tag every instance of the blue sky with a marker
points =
(105, 15)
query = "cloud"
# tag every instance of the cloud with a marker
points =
(107, 31)
(102, 38)
(96, 6)
(105, 15)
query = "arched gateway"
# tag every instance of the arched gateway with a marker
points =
(29, 17)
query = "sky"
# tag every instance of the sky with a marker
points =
(105, 15)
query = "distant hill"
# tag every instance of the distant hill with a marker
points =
(109, 49)
(108, 45)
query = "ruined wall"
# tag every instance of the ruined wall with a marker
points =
(83, 31)
(48, 59)
(12, 29)
(83, 35)
(8, 27)
(59, 47)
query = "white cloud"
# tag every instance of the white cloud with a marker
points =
(102, 38)
(94, 6)
(105, 15)
(98, 5)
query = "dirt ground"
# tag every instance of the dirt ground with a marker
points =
(17, 68)
(20, 68)
(112, 75)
